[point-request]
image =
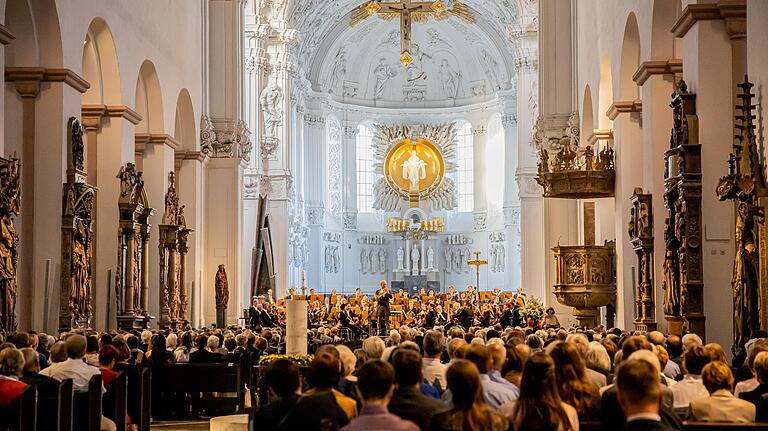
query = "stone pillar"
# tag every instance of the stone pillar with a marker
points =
(480, 206)
(349, 156)
(296, 327)
(130, 250)
(511, 208)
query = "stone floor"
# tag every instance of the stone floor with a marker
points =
(180, 426)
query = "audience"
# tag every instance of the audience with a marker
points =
(495, 394)
(639, 392)
(46, 386)
(11, 368)
(206, 352)
(761, 371)
(377, 385)
(691, 387)
(283, 382)
(540, 406)
(576, 389)
(469, 411)
(408, 402)
(720, 405)
(433, 370)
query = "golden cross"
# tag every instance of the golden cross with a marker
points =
(477, 263)
(404, 8)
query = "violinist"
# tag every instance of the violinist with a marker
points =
(430, 317)
(345, 321)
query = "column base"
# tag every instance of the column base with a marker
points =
(221, 317)
(675, 325)
(127, 322)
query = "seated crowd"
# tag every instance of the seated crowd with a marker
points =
(483, 378)
(517, 379)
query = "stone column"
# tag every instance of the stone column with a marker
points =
(511, 208)
(480, 207)
(28, 90)
(349, 156)
(144, 280)
(296, 327)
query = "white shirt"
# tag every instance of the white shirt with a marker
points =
(746, 386)
(74, 369)
(433, 370)
(645, 416)
(689, 389)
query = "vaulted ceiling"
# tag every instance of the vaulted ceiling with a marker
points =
(464, 63)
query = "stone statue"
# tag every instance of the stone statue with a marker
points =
(81, 280)
(270, 101)
(415, 257)
(493, 252)
(415, 70)
(365, 262)
(501, 256)
(449, 79)
(129, 178)
(465, 259)
(78, 147)
(430, 258)
(457, 265)
(400, 256)
(339, 70)
(222, 289)
(383, 259)
(414, 170)
(644, 221)
(746, 285)
(489, 65)
(448, 260)
(670, 281)
(374, 258)
(171, 213)
(383, 72)
(631, 227)
(327, 257)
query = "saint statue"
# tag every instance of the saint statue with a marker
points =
(430, 258)
(81, 280)
(449, 79)
(400, 256)
(222, 289)
(745, 281)
(383, 72)
(383, 259)
(415, 257)
(414, 170)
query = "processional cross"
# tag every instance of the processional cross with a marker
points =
(408, 10)
(477, 263)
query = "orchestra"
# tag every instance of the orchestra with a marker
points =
(388, 310)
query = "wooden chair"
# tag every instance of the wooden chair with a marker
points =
(86, 408)
(55, 412)
(20, 415)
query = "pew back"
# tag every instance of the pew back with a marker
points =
(20, 415)
(86, 409)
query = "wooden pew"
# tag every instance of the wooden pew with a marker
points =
(86, 408)
(194, 379)
(692, 426)
(55, 412)
(146, 400)
(20, 415)
(115, 401)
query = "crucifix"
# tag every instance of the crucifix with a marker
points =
(477, 263)
(404, 8)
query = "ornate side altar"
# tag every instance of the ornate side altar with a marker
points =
(10, 202)
(174, 235)
(641, 236)
(745, 185)
(682, 270)
(132, 277)
(76, 307)
(585, 280)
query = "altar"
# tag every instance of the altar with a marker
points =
(412, 284)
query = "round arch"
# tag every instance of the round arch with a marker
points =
(100, 65)
(630, 59)
(184, 130)
(35, 24)
(149, 100)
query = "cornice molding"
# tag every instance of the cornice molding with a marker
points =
(673, 66)
(624, 107)
(145, 139)
(196, 156)
(734, 11)
(5, 35)
(41, 74)
(97, 111)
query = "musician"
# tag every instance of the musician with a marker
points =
(254, 317)
(517, 318)
(485, 319)
(382, 298)
(506, 317)
(270, 297)
(266, 318)
(465, 316)
(441, 318)
(291, 293)
(430, 317)
(472, 294)
(452, 295)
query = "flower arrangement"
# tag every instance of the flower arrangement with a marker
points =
(532, 310)
(299, 360)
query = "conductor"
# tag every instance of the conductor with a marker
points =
(382, 298)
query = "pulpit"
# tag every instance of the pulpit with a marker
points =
(585, 280)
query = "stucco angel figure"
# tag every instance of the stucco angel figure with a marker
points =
(270, 101)
(414, 170)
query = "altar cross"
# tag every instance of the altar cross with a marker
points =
(477, 263)
(404, 8)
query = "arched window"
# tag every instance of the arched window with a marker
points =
(365, 176)
(465, 168)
